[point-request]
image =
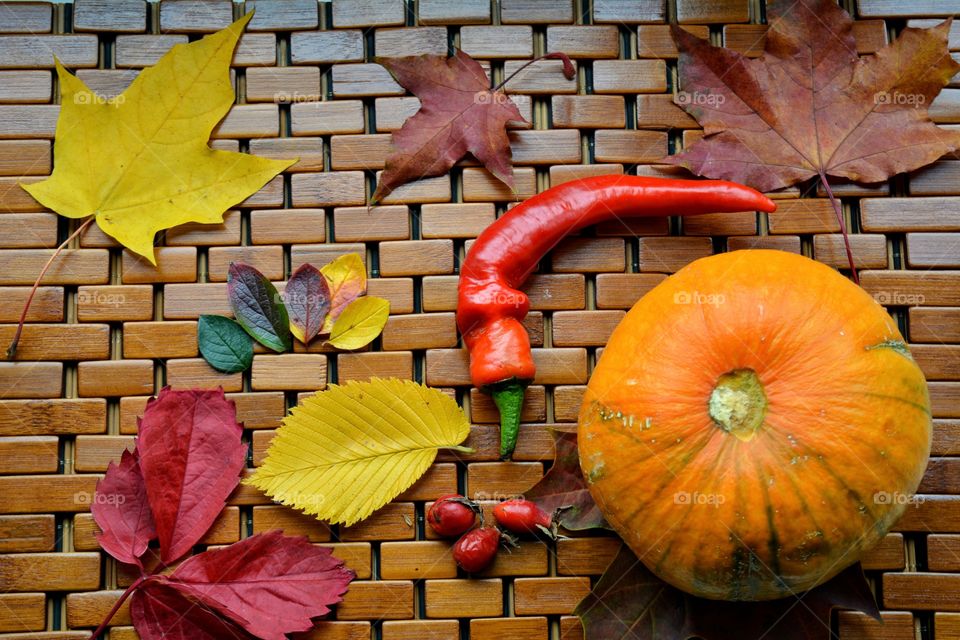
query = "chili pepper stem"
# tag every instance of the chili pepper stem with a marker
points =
(508, 396)
(12, 349)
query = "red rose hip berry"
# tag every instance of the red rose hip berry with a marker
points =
(522, 516)
(451, 515)
(476, 550)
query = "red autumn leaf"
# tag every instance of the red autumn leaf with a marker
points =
(307, 298)
(122, 512)
(630, 603)
(191, 457)
(564, 488)
(160, 612)
(458, 114)
(810, 106)
(270, 584)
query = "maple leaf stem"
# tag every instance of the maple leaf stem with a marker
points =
(568, 71)
(12, 349)
(119, 603)
(843, 226)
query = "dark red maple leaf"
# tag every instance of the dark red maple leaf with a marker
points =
(631, 603)
(123, 515)
(270, 584)
(564, 490)
(459, 114)
(191, 456)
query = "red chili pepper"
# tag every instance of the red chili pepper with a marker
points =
(490, 308)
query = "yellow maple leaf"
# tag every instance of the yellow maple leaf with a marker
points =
(345, 452)
(140, 161)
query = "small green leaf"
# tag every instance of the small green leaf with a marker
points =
(224, 344)
(360, 322)
(258, 307)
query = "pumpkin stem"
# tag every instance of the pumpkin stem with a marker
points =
(738, 403)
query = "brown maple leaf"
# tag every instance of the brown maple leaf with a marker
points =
(809, 106)
(459, 114)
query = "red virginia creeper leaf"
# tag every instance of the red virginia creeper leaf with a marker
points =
(630, 603)
(270, 584)
(810, 104)
(307, 298)
(122, 512)
(160, 612)
(191, 456)
(458, 115)
(564, 488)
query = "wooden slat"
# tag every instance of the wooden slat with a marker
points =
(285, 226)
(196, 373)
(464, 598)
(30, 379)
(384, 599)
(548, 595)
(142, 50)
(936, 250)
(72, 266)
(910, 214)
(462, 12)
(418, 629)
(654, 40)
(290, 84)
(411, 41)
(291, 371)
(29, 454)
(935, 324)
(45, 494)
(191, 16)
(110, 15)
(94, 453)
(268, 260)
(114, 302)
(22, 611)
(39, 51)
(174, 264)
(922, 591)
(497, 42)
(895, 625)
(20, 534)
(525, 628)
(326, 189)
(60, 341)
(325, 47)
(629, 76)
(49, 571)
(282, 16)
(26, 17)
(691, 11)
(115, 378)
(892, 8)
(39, 417)
(365, 13)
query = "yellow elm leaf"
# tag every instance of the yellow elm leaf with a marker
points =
(140, 162)
(360, 322)
(347, 278)
(345, 452)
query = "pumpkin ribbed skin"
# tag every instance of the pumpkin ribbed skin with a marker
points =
(800, 461)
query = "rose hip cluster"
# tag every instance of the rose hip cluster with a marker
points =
(455, 515)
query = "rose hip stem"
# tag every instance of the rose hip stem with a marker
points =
(490, 308)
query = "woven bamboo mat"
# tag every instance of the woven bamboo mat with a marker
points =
(107, 330)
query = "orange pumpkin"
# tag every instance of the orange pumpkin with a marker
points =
(754, 425)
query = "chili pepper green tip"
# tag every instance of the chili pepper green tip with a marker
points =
(508, 396)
